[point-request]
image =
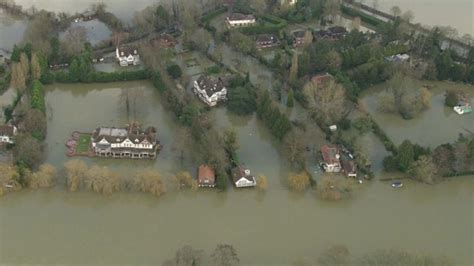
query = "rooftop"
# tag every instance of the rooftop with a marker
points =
(330, 154)
(240, 16)
(209, 85)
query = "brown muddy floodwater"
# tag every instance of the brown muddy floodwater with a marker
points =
(276, 228)
(435, 126)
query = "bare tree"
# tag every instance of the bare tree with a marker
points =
(262, 182)
(294, 67)
(424, 170)
(102, 180)
(43, 178)
(396, 11)
(328, 103)
(8, 177)
(225, 255)
(356, 23)
(299, 182)
(149, 181)
(35, 66)
(74, 40)
(18, 78)
(76, 171)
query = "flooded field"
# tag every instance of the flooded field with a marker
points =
(11, 30)
(437, 125)
(273, 228)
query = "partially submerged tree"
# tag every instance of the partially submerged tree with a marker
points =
(424, 170)
(262, 182)
(102, 180)
(335, 255)
(225, 255)
(43, 178)
(76, 171)
(149, 181)
(9, 177)
(299, 182)
(74, 40)
(185, 180)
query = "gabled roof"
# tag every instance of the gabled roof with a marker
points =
(330, 154)
(119, 135)
(206, 173)
(239, 172)
(128, 50)
(266, 38)
(348, 166)
(7, 130)
(209, 85)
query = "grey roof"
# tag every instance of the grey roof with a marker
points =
(128, 50)
(240, 16)
(118, 135)
(209, 85)
(239, 172)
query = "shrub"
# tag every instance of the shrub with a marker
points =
(174, 71)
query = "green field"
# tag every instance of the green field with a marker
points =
(83, 144)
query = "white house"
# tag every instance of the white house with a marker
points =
(331, 158)
(242, 177)
(127, 56)
(210, 91)
(289, 2)
(240, 20)
(7, 133)
(129, 142)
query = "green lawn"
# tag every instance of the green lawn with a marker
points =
(83, 144)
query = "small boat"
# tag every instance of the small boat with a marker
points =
(462, 109)
(397, 184)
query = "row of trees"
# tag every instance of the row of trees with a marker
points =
(428, 166)
(223, 255)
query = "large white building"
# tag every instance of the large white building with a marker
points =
(129, 142)
(240, 20)
(127, 56)
(210, 91)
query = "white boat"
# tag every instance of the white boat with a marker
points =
(462, 109)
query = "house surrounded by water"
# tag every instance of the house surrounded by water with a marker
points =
(206, 176)
(210, 91)
(331, 159)
(127, 55)
(242, 177)
(129, 142)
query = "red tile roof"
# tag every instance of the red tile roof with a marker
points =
(330, 154)
(206, 173)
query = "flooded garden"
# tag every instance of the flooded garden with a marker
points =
(439, 124)
(204, 218)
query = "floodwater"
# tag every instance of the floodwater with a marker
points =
(274, 228)
(427, 12)
(11, 31)
(435, 126)
(96, 30)
(456, 13)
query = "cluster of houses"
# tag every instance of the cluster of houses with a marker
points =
(241, 177)
(130, 142)
(335, 161)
